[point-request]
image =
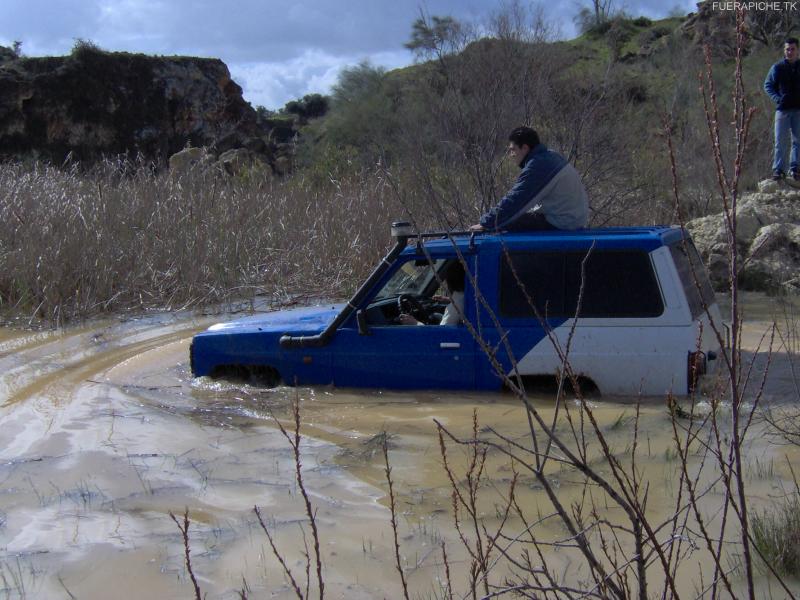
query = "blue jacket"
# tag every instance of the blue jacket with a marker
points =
(548, 184)
(783, 85)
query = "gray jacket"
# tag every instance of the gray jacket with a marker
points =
(547, 184)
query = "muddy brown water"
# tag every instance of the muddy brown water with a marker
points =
(103, 433)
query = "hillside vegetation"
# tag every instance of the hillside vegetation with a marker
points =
(603, 100)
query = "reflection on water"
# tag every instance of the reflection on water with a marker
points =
(103, 433)
(757, 306)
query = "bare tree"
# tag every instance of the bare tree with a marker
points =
(772, 27)
(594, 15)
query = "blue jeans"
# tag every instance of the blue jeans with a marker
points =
(786, 122)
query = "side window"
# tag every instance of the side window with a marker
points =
(616, 283)
(693, 275)
(542, 277)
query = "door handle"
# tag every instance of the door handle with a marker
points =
(450, 345)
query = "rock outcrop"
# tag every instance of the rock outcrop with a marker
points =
(767, 237)
(190, 158)
(94, 103)
(713, 27)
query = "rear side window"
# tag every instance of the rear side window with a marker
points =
(616, 283)
(532, 278)
(694, 278)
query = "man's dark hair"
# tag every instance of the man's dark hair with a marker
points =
(524, 135)
(791, 40)
(455, 277)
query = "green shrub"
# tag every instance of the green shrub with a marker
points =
(776, 533)
(310, 106)
(648, 36)
(599, 30)
(82, 48)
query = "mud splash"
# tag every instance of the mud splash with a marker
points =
(103, 433)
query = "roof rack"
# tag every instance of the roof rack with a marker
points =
(408, 231)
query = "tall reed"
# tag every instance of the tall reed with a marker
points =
(75, 243)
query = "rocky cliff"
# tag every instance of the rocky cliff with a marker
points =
(94, 103)
(767, 237)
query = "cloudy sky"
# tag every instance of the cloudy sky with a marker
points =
(276, 50)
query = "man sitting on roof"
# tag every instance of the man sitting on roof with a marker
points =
(548, 194)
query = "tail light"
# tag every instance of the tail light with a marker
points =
(695, 367)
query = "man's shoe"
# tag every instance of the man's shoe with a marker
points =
(795, 175)
(778, 175)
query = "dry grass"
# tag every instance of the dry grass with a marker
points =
(776, 534)
(76, 243)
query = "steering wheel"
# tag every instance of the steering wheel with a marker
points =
(406, 303)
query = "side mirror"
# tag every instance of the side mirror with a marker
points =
(361, 319)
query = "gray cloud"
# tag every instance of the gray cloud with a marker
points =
(276, 50)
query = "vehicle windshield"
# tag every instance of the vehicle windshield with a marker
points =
(411, 278)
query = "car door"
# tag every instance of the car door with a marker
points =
(510, 328)
(396, 356)
(405, 357)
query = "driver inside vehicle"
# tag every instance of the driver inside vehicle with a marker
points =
(454, 300)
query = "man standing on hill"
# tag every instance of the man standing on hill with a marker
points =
(783, 86)
(548, 193)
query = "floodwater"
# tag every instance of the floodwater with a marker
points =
(104, 433)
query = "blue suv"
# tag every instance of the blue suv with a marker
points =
(634, 304)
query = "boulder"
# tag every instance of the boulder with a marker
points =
(767, 238)
(241, 161)
(283, 165)
(749, 221)
(190, 158)
(707, 232)
(768, 186)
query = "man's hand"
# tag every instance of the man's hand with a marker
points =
(406, 319)
(476, 227)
